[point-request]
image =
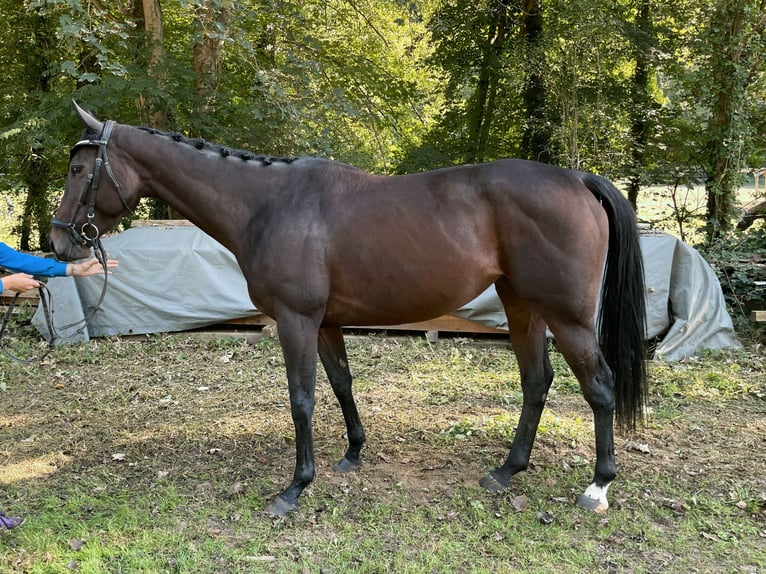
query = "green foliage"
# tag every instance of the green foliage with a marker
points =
(739, 261)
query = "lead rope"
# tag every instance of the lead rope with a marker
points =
(46, 300)
(44, 297)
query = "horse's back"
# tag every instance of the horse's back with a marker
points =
(420, 245)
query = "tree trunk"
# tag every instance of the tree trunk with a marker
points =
(482, 110)
(207, 52)
(154, 111)
(724, 146)
(36, 169)
(37, 175)
(536, 142)
(155, 49)
(639, 112)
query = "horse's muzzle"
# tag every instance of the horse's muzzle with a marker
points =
(65, 248)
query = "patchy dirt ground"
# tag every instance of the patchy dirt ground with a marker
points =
(215, 416)
(192, 408)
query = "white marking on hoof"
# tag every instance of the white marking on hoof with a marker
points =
(594, 498)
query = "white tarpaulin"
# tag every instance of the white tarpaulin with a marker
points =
(178, 278)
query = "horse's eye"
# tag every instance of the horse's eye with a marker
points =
(76, 169)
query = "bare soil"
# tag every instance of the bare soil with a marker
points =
(215, 416)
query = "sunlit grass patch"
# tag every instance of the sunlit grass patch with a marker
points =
(32, 468)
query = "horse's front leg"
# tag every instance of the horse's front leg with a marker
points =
(332, 351)
(298, 337)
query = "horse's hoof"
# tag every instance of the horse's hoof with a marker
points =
(346, 465)
(492, 484)
(281, 507)
(594, 499)
(592, 504)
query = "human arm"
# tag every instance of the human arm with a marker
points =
(30, 264)
(20, 282)
(89, 267)
(24, 282)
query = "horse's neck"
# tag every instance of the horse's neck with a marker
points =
(206, 189)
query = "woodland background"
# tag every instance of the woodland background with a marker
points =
(646, 92)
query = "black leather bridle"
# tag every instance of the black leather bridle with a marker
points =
(89, 234)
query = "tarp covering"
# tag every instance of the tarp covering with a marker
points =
(178, 278)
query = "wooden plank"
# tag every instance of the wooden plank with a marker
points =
(445, 323)
(33, 295)
(759, 316)
(161, 223)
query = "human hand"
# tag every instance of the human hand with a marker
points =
(20, 282)
(89, 267)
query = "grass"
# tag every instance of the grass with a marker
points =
(159, 456)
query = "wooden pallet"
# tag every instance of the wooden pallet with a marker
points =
(432, 328)
(8, 295)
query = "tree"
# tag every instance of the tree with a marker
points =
(536, 142)
(641, 99)
(733, 50)
(31, 36)
(209, 32)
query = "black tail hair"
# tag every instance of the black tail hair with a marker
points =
(622, 315)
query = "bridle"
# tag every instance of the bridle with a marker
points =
(89, 234)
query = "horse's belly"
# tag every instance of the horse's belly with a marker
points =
(393, 302)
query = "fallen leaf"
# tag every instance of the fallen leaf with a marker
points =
(545, 517)
(118, 456)
(638, 447)
(259, 558)
(519, 503)
(235, 489)
(678, 508)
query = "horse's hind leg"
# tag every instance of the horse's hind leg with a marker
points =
(332, 351)
(528, 339)
(580, 348)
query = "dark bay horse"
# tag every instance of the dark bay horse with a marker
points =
(323, 245)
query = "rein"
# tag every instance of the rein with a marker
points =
(45, 295)
(88, 236)
(46, 300)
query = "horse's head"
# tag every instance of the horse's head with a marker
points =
(96, 194)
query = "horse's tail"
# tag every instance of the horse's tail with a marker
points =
(622, 315)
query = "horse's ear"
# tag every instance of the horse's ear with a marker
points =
(90, 122)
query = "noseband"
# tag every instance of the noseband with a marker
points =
(89, 234)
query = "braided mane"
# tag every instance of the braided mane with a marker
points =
(223, 151)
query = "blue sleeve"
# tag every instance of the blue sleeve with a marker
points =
(25, 263)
